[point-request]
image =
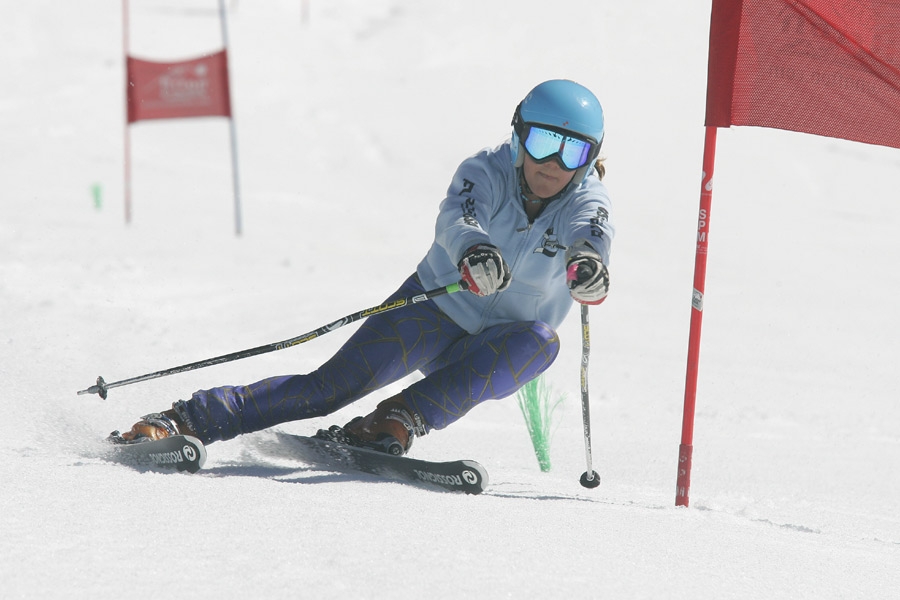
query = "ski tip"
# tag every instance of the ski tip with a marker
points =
(476, 476)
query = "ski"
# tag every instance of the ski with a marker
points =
(187, 453)
(456, 476)
(179, 453)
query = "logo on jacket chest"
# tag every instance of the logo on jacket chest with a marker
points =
(550, 245)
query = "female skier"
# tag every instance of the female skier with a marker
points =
(525, 226)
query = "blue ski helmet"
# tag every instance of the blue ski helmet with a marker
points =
(562, 105)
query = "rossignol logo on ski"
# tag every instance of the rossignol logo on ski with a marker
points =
(466, 477)
(166, 458)
(436, 478)
(470, 477)
(187, 453)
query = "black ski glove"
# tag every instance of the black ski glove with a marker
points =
(587, 276)
(484, 270)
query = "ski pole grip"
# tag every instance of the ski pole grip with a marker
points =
(460, 285)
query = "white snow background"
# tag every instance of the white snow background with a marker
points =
(350, 122)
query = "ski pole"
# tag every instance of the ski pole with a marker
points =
(103, 387)
(590, 478)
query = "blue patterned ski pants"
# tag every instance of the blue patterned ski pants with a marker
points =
(461, 370)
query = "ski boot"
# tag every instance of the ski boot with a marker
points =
(154, 426)
(390, 428)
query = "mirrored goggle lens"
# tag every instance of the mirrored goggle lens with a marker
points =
(542, 144)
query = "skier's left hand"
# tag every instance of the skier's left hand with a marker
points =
(586, 275)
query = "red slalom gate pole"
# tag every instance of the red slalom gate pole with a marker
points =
(685, 451)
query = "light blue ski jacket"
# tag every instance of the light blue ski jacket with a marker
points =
(484, 205)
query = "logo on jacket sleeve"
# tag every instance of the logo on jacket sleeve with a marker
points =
(598, 221)
(468, 205)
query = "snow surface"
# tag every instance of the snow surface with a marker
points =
(350, 123)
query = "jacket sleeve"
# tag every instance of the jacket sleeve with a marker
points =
(590, 218)
(465, 214)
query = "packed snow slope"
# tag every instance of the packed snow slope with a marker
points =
(351, 116)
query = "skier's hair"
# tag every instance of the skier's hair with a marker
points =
(600, 167)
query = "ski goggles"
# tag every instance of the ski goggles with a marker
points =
(544, 143)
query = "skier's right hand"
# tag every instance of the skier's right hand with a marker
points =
(484, 270)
